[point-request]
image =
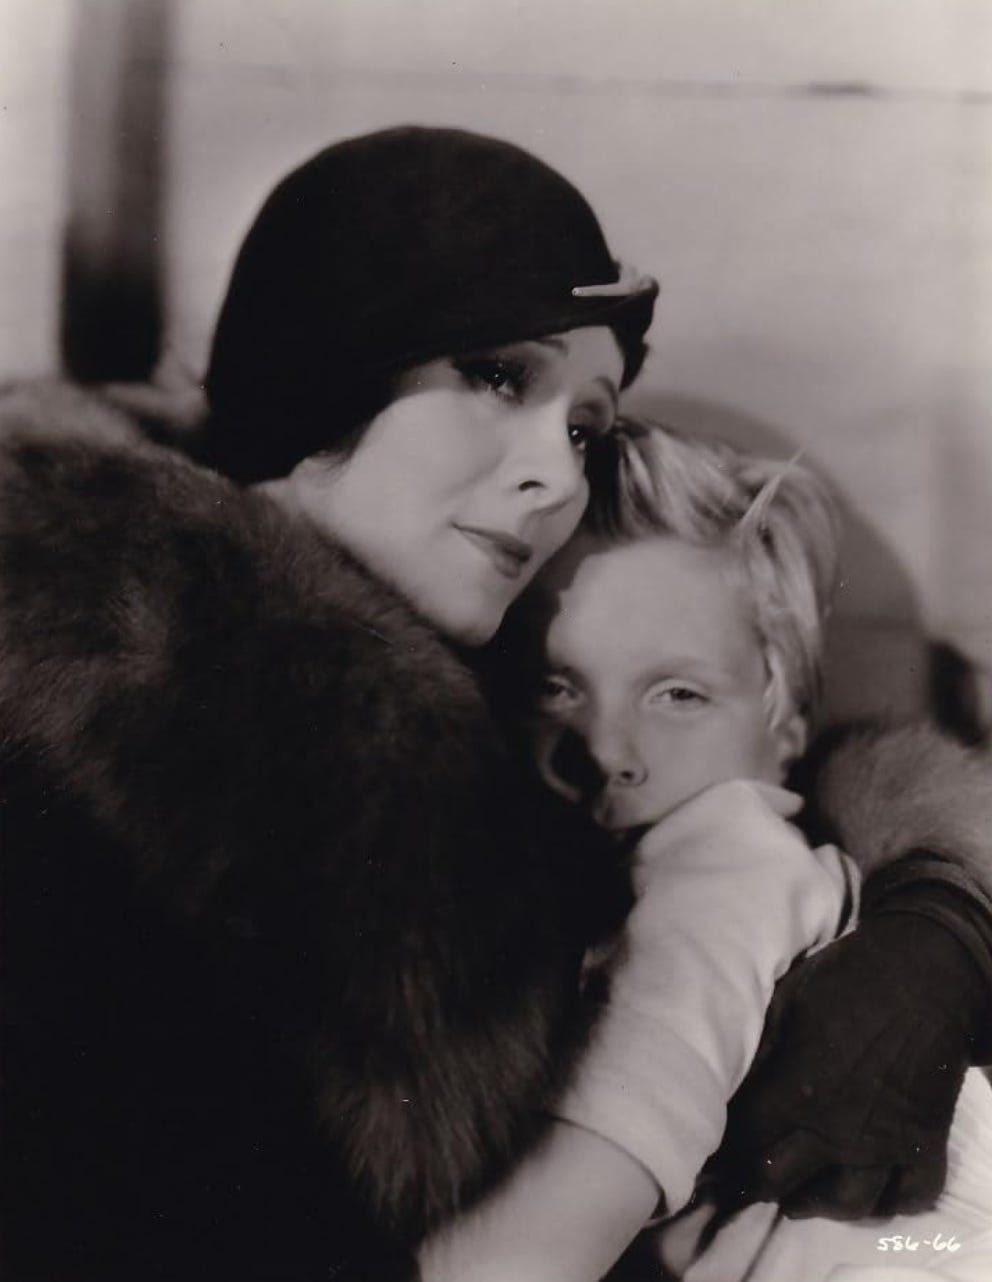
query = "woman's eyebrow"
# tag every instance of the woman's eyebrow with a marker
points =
(611, 391)
(556, 344)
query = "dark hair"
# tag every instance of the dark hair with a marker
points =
(386, 251)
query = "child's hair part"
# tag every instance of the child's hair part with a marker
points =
(775, 516)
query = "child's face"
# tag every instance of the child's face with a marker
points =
(654, 680)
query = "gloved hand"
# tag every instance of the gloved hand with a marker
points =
(846, 1110)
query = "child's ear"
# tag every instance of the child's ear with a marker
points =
(790, 736)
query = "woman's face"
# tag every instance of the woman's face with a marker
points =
(460, 490)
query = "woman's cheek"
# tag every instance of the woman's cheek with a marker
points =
(566, 521)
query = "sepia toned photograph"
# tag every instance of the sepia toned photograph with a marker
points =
(495, 640)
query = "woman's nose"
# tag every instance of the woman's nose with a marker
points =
(546, 463)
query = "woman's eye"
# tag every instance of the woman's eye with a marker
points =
(594, 425)
(502, 377)
(579, 434)
(678, 696)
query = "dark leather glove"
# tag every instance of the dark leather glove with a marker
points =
(846, 1110)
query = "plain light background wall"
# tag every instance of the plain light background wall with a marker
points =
(34, 113)
(811, 180)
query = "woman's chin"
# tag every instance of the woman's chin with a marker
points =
(466, 627)
(465, 609)
(473, 633)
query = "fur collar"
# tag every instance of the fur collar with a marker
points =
(287, 755)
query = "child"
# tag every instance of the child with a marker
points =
(681, 653)
(680, 640)
(680, 658)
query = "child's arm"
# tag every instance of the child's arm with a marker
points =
(728, 895)
(566, 1214)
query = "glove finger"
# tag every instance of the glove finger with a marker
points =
(788, 1165)
(840, 1193)
(915, 1188)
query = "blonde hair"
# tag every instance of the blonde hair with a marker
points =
(776, 518)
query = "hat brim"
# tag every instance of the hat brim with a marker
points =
(628, 315)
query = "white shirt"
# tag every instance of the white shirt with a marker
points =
(729, 894)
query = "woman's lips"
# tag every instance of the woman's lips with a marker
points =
(507, 553)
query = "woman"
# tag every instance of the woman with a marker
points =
(290, 972)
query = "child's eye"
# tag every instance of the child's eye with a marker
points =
(506, 378)
(555, 692)
(676, 694)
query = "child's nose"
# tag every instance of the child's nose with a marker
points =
(615, 753)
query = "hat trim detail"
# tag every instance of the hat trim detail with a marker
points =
(630, 282)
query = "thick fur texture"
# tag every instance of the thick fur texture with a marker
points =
(885, 791)
(295, 785)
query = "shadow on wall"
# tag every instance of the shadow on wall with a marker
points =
(112, 253)
(878, 659)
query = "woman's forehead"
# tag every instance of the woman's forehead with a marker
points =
(593, 351)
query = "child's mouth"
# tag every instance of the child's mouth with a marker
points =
(625, 839)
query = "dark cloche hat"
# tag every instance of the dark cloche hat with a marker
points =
(388, 250)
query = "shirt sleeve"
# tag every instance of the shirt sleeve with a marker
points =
(729, 894)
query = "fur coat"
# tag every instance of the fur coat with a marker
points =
(287, 968)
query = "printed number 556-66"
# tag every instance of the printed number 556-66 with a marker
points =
(904, 1242)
